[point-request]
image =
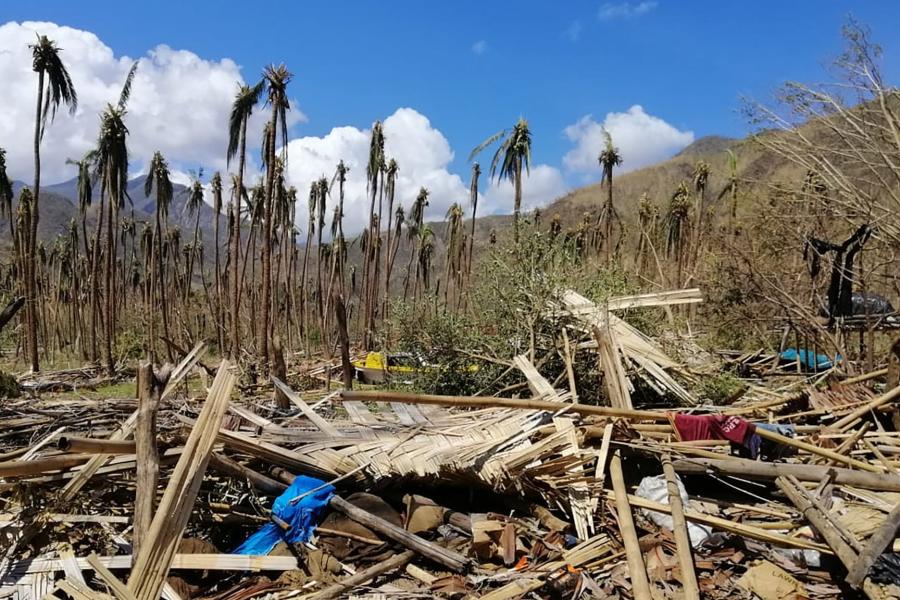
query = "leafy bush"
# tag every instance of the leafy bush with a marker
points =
(721, 388)
(513, 289)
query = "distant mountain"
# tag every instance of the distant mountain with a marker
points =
(58, 206)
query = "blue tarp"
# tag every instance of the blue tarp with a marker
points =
(302, 516)
(821, 363)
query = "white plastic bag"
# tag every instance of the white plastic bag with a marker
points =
(656, 489)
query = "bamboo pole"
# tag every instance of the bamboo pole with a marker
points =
(824, 452)
(640, 586)
(864, 377)
(85, 445)
(487, 401)
(689, 584)
(849, 420)
(768, 471)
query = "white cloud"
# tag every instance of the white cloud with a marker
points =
(540, 187)
(641, 138)
(479, 47)
(625, 10)
(421, 151)
(573, 31)
(179, 103)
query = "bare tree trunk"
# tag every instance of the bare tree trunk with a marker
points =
(31, 299)
(264, 333)
(341, 317)
(149, 390)
(236, 249)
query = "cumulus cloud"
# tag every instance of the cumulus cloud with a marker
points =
(642, 139)
(625, 10)
(540, 187)
(179, 103)
(479, 47)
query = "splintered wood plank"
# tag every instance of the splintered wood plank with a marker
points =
(309, 413)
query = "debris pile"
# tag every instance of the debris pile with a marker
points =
(792, 491)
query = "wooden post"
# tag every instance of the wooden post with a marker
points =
(341, 317)
(640, 587)
(679, 528)
(149, 390)
(279, 369)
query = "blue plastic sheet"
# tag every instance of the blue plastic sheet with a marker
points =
(819, 363)
(302, 516)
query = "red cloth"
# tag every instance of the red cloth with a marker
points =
(712, 427)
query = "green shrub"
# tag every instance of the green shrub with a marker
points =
(721, 388)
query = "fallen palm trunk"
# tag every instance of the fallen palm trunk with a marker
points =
(10, 310)
(804, 472)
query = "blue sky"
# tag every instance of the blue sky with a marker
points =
(473, 67)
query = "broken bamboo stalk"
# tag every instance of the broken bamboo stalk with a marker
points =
(83, 445)
(640, 586)
(689, 584)
(23, 468)
(818, 518)
(450, 559)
